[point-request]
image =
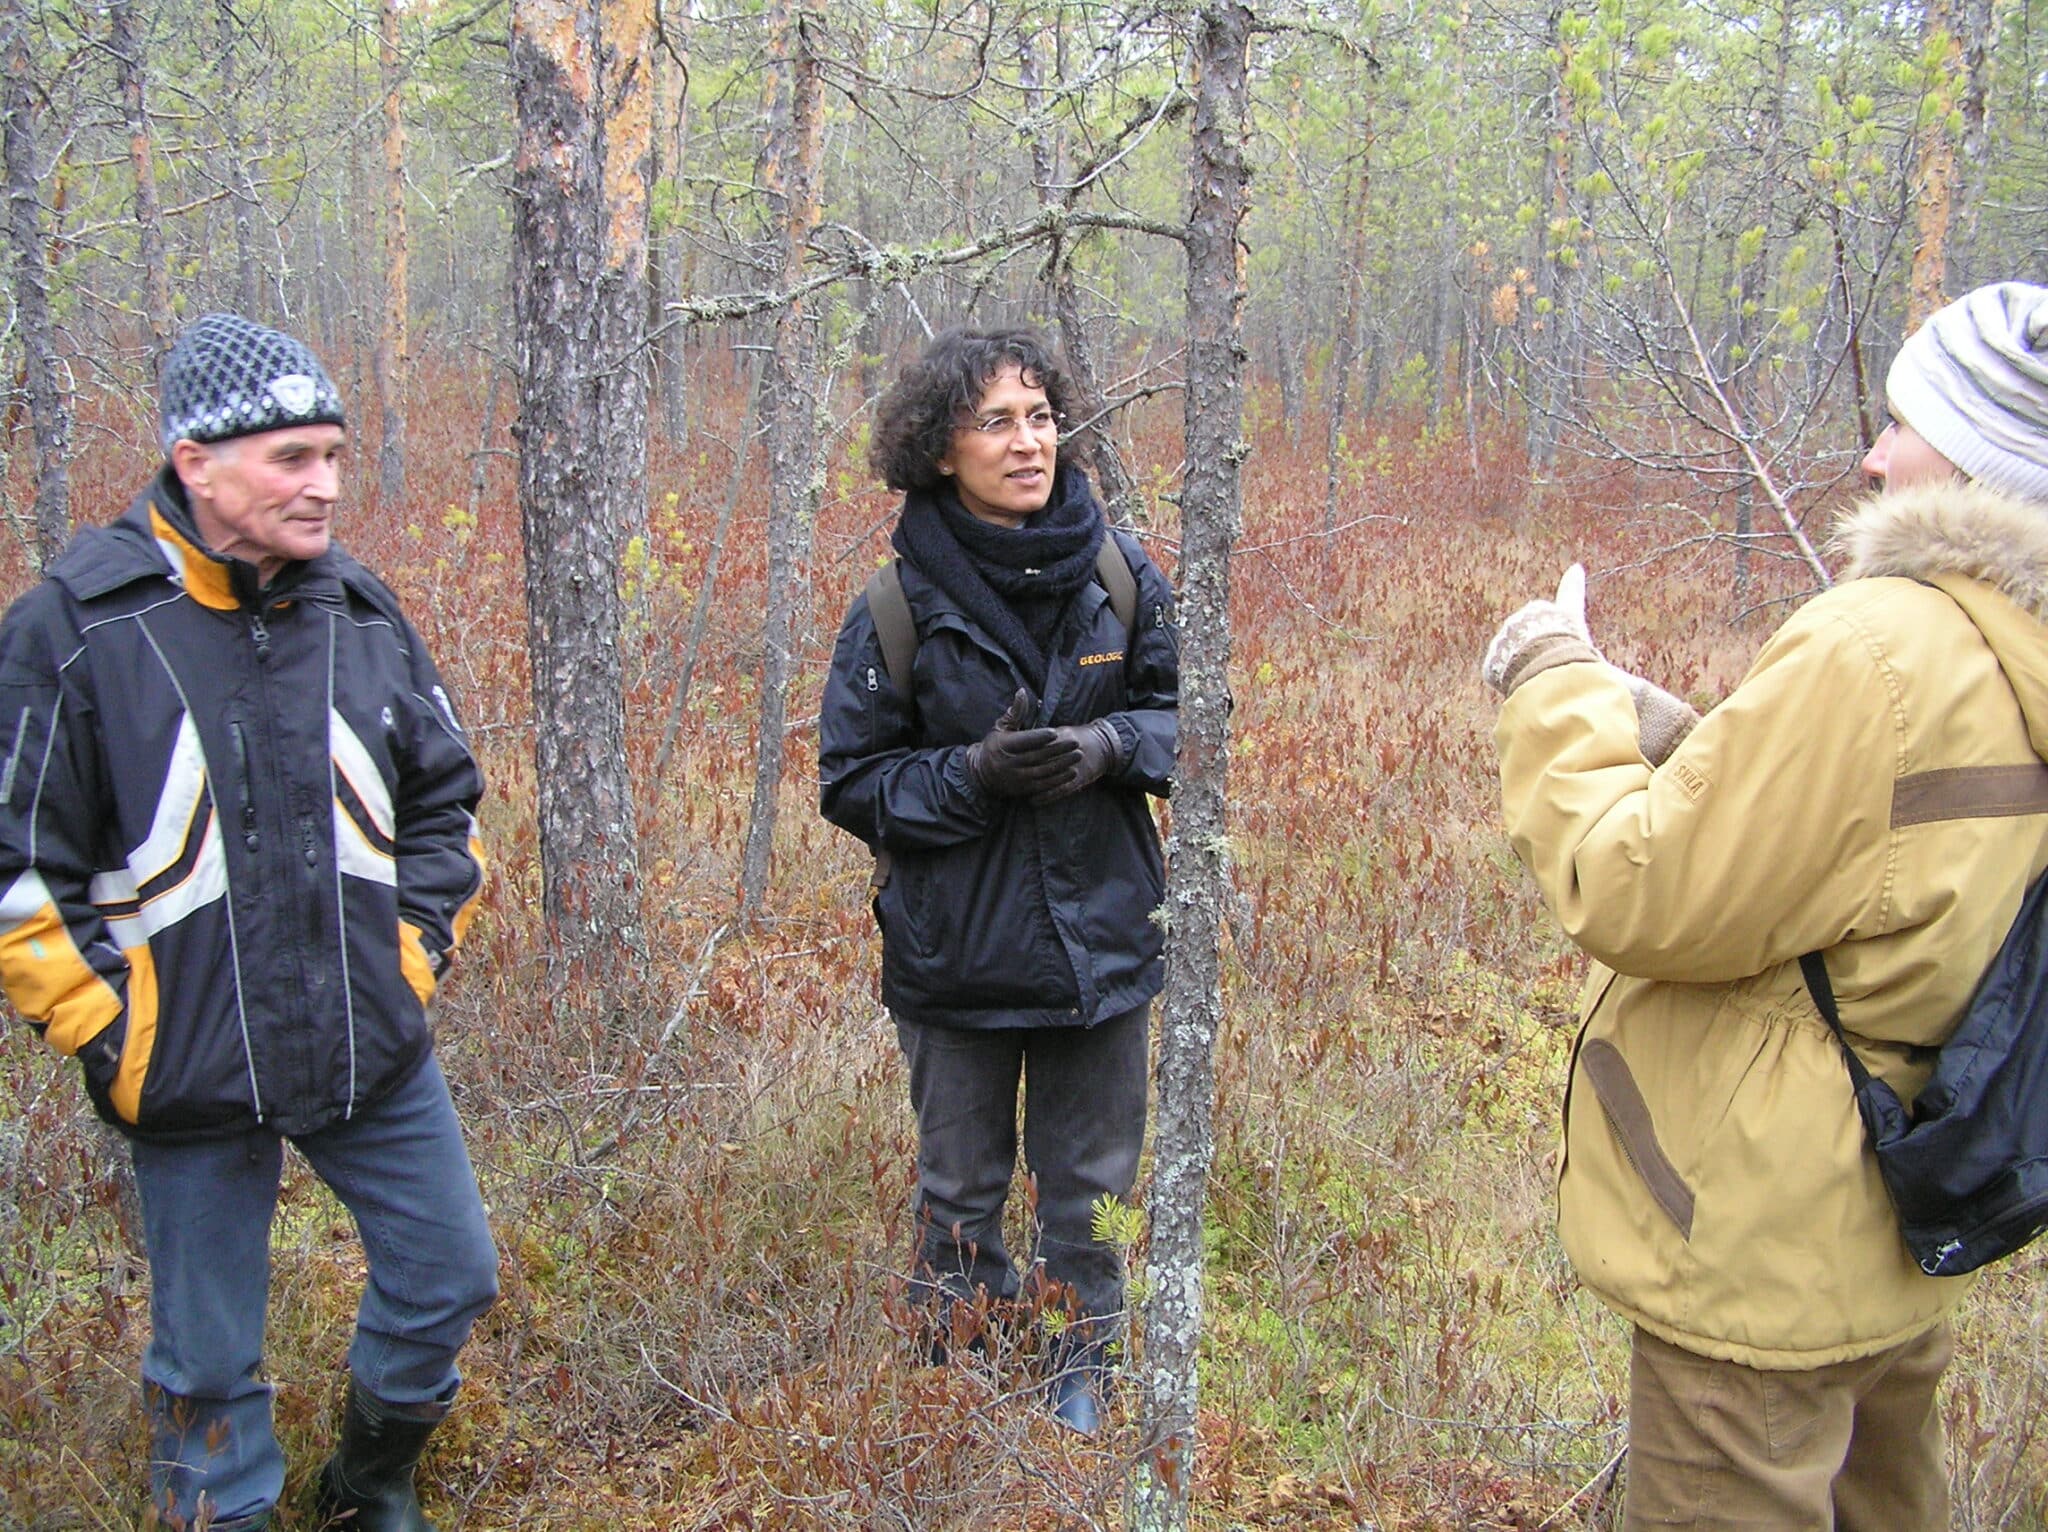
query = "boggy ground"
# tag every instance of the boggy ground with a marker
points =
(702, 1201)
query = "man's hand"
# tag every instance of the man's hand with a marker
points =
(1540, 635)
(1662, 720)
(1011, 761)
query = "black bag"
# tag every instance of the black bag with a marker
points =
(1968, 1169)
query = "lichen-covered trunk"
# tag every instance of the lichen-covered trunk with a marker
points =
(1198, 877)
(130, 73)
(790, 166)
(49, 411)
(579, 264)
(391, 334)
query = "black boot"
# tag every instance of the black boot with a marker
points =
(367, 1484)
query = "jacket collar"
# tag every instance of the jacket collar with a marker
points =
(156, 539)
(1952, 529)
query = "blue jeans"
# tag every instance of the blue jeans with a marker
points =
(1084, 1123)
(400, 1168)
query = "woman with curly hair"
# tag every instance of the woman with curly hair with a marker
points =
(1002, 784)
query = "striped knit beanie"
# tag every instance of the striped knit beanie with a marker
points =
(228, 376)
(1973, 381)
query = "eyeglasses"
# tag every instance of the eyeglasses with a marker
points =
(998, 427)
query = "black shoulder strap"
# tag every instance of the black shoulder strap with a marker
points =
(897, 634)
(1815, 968)
(894, 630)
(1114, 571)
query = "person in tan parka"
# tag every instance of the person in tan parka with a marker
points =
(1876, 789)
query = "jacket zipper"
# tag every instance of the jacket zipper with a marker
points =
(290, 883)
(250, 839)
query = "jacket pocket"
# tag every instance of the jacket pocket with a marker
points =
(414, 964)
(1629, 1116)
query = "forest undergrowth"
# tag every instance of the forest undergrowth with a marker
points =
(702, 1202)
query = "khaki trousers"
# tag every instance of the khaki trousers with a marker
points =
(1856, 1446)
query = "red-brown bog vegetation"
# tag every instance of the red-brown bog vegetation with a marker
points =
(702, 1206)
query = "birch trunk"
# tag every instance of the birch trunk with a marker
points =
(579, 76)
(1198, 878)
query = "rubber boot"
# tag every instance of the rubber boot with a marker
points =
(1078, 1391)
(1076, 1399)
(368, 1481)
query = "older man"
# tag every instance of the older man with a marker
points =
(1875, 791)
(237, 850)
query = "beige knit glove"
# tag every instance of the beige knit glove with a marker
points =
(1541, 635)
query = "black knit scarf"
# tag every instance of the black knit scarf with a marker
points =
(1015, 583)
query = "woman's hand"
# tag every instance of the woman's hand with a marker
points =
(1099, 752)
(1015, 762)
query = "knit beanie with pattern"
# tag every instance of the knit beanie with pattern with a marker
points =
(228, 376)
(1973, 381)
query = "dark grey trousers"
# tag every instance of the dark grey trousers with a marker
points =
(1084, 1121)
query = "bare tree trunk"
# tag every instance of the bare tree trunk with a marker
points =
(235, 170)
(665, 259)
(579, 76)
(1934, 186)
(1093, 441)
(1345, 349)
(49, 410)
(130, 74)
(790, 168)
(1198, 878)
(1979, 32)
(480, 463)
(1852, 318)
(1747, 379)
(1550, 392)
(707, 587)
(392, 340)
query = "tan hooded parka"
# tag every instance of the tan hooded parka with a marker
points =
(1874, 788)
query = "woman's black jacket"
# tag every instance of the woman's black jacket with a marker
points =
(996, 912)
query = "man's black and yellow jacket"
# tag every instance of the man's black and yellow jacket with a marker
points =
(237, 842)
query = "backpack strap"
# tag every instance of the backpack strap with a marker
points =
(1815, 969)
(894, 630)
(897, 634)
(1114, 571)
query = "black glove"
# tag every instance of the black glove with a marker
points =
(1014, 762)
(1101, 751)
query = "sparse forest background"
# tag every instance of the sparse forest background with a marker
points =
(610, 289)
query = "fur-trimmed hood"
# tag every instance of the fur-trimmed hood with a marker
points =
(1961, 529)
(1985, 550)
